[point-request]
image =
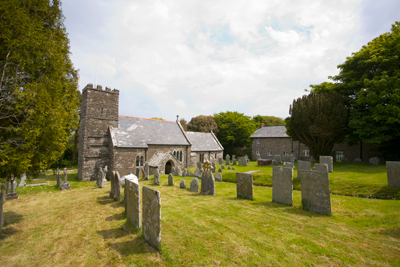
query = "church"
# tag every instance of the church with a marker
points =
(125, 143)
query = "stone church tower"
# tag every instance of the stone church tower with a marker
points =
(99, 110)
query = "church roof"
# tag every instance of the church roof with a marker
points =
(140, 132)
(204, 141)
(271, 132)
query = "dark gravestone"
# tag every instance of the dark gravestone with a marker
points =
(151, 216)
(112, 192)
(207, 183)
(244, 185)
(132, 204)
(146, 171)
(194, 185)
(117, 187)
(137, 172)
(170, 179)
(393, 173)
(282, 185)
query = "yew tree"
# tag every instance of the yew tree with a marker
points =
(38, 86)
(318, 121)
(202, 123)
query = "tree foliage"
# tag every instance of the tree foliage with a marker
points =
(267, 120)
(318, 121)
(203, 124)
(39, 97)
(235, 130)
(183, 123)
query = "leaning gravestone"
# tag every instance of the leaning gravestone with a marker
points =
(157, 177)
(278, 159)
(182, 184)
(374, 161)
(132, 203)
(302, 166)
(22, 182)
(227, 158)
(218, 177)
(117, 187)
(207, 181)
(170, 179)
(146, 171)
(151, 216)
(112, 192)
(393, 173)
(315, 194)
(194, 185)
(244, 185)
(327, 160)
(282, 185)
(65, 185)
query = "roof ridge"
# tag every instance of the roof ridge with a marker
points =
(143, 118)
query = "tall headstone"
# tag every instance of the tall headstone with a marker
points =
(112, 192)
(302, 166)
(132, 204)
(227, 158)
(58, 178)
(170, 179)
(207, 181)
(242, 161)
(117, 187)
(146, 171)
(151, 216)
(104, 175)
(393, 173)
(220, 161)
(282, 185)
(194, 185)
(182, 184)
(65, 185)
(234, 162)
(100, 178)
(214, 167)
(22, 182)
(184, 173)
(315, 194)
(218, 177)
(244, 185)
(157, 177)
(173, 170)
(327, 160)
(278, 159)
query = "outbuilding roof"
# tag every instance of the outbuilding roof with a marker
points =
(141, 132)
(204, 141)
(271, 132)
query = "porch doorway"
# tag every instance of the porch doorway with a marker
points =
(168, 167)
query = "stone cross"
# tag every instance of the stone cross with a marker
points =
(65, 175)
(206, 166)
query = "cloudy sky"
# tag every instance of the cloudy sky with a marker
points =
(202, 57)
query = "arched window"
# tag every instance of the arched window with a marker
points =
(175, 153)
(137, 161)
(141, 161)
(180, 156)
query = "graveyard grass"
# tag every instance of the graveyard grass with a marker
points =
(82, 226)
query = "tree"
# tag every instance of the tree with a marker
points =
(235, 130)
(268, 120)
(202, 123)
(183, 123)
(38, 86)
(318, 121)
(156, 118)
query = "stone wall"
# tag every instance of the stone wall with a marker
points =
(153, 149)
(207, 155)
(282, 185)
(315, 194)
(151, 216)
(99, 109)
(124, 159)
(393, 173)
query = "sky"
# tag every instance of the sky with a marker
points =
(191, 58)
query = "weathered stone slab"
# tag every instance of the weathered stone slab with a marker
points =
(170, 179)
(234, 161)
(327, 160)
(302, 166)
(229, 167)
(218, 177)
(132, 204)
(194, 185)
(157, 177)
(199, 165)
(22, 182)
(146, 171)
(100, 178)
(197, 173)
(278, 159)
(227, 159)
(222, 167)
(65, 185)
(117, 187)
(151, 216)
(112, 192)
(184, 173)
(393, 173)
(315, 194)
(282, 185)
(244, 185)
(289, 165)
(214, 167)
(242, 161)
(320, 167)
(220, 161)
(177, 171)
(207, 183)
(182, 184)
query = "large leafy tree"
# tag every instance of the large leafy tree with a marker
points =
(268, 120)
(318, 121)
(38, 86)
(235, 130)
(202, 123)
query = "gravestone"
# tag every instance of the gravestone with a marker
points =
(22, 182)
(274, 162)
(282, 185)
(184, 173)
(222, 167)
(320, 167)
(13, 185)
(302, 166)
(105, 174)
(374, 161)
(58, 178)
(194, 185)
(315, 194)
(197, 173)
(220, 161)
(137, 172)
(327, 160)
(207, 180)
(357, 160)
(289, 165)
(170, 179)
(393, 173)
(65, 185)
(151, 216)
(214, 167)
(219, 170)
(229, 167)
(234, 162)
(218, 177)
(244, 185)
(344, 159)
(100, 178)
(286, 158)
(233, 168)
(157, 177)
(173, 170)
(199, 165)
(117, 187)
(132, 203)
(233, 157)
(146, 171)
(177, 172)
(242, 161)
(182, 184)
(112, 192)
(258, 157)
(227, 158)
(278, 159)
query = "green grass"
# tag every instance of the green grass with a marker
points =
(350, 179)
(82, 226)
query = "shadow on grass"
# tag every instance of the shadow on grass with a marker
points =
(105, 200)
(10, 217)
(112, 233)
(8, 231)
(116, 217)
(290, 209)
(395, 232)
(134, 246)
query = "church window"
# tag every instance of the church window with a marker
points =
(215, 155)
(258, 141)
(137, 161)
(101, 110)
(141, 161)
(339, 155)
(174, 153)
(269, 153)
(258, 152)
(180, 156)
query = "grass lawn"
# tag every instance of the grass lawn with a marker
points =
(82, 227)
(351, 179)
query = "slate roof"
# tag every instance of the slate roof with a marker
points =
(271, 132)
(140, 132)
(204, 141)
